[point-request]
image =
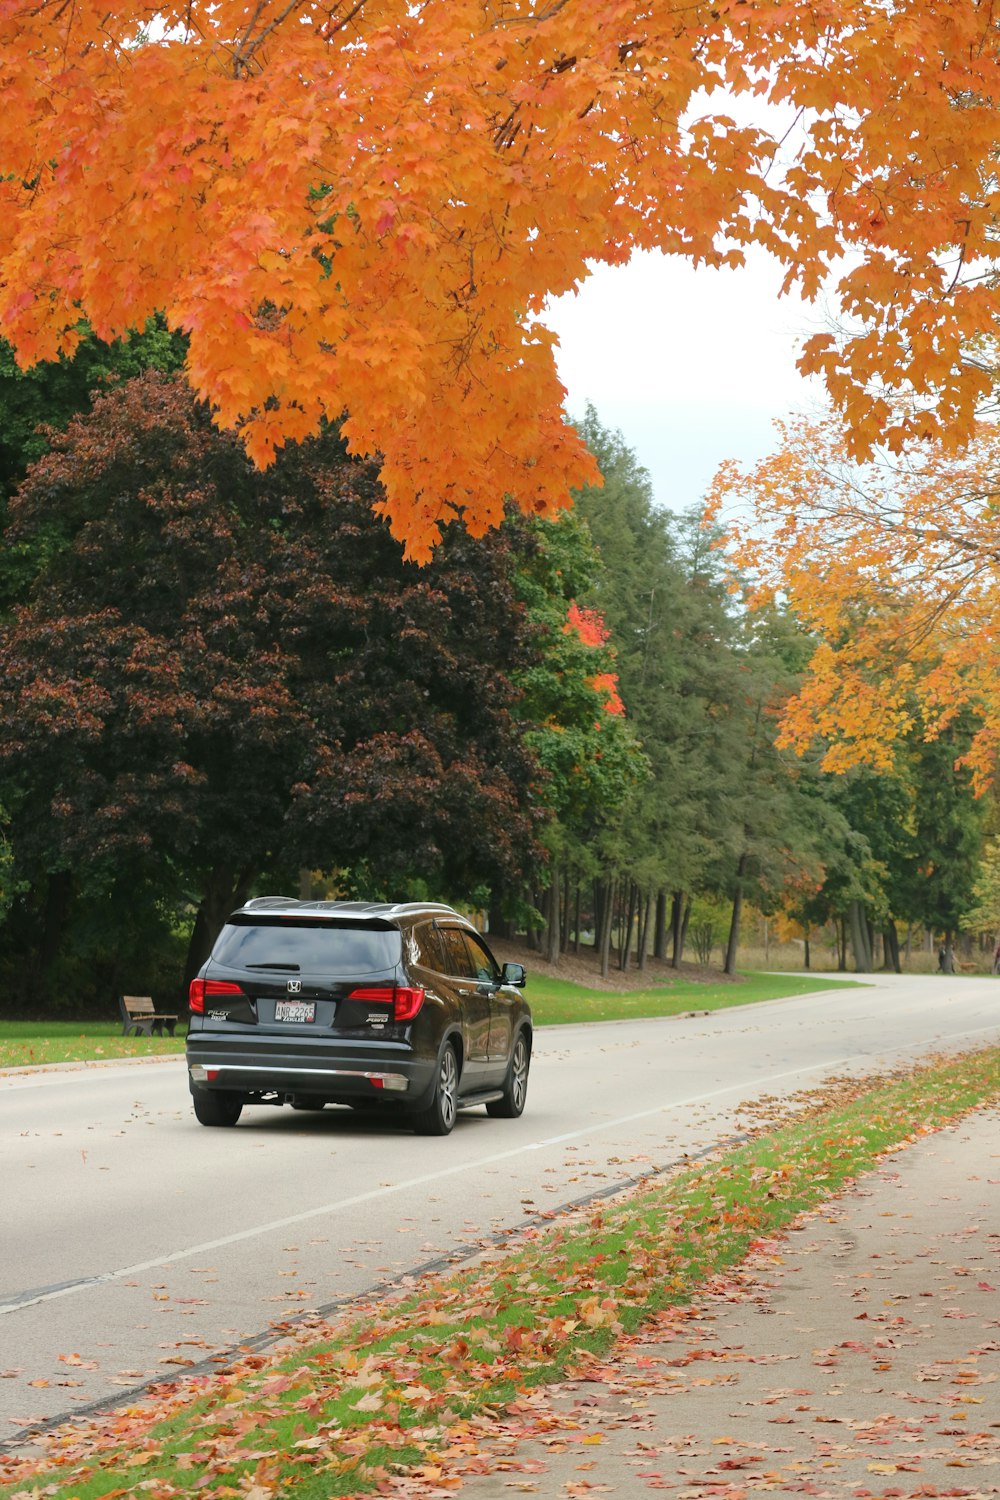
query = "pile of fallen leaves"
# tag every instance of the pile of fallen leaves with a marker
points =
(410, 1385)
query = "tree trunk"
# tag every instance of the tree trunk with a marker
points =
(946, 958)
(644, 933)
(734, 925)
(890, 945)
(600, 900)
(607, 914)
(576, 921)
(626, 942)
(857, 926)
(841, 930)
(499, 925)
(553, 915)
(685, 923)
(676, 932)
(225, 890)
(660, 932)
(806, 950)
(872, 940)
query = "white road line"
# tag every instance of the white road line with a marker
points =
(274, 1225)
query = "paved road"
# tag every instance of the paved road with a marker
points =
(136, 1244)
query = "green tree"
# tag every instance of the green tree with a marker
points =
(8, 887)
(581, 738)
(935, 884)
(910, 852)
(668, 657)
(857, 892)
(851, 883)
(690, 677)
(779, 827)
(983, 915)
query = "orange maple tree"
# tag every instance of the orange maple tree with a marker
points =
(361, 206)
(894, 567)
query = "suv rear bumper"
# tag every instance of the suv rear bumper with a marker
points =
(337, 1074)
(230, 1078)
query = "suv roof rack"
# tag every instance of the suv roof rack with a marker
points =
(343, 908)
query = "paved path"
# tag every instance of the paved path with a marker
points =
(858, 1355)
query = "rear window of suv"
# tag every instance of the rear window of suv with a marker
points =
(309, 946)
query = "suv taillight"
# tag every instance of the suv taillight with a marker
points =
(203, 989)
(405, 1000)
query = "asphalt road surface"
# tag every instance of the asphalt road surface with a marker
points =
(136, 1245)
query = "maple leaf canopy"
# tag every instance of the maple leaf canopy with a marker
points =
(893, 569)
(362, 207)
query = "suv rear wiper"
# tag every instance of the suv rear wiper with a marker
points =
(292, 968)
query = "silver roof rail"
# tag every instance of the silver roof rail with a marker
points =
(347, 908)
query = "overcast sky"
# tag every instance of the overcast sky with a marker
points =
(691, 366)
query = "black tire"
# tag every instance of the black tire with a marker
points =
(214, 1108)
(515, 1088)
(439, 1116)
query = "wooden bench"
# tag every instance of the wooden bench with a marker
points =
(139, 1015)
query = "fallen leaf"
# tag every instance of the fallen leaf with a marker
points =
(371, 1402)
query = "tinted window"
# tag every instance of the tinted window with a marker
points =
(429, 949)
(311, 946)
(483, 960)
(459, 958)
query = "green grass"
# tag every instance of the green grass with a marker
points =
(388, 1387)
(554, 1002)
(26, 1044)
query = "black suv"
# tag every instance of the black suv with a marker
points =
(341, 1002)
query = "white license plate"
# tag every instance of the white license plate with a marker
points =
(295, 1010)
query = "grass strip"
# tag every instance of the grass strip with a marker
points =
(25, 1044)
(392, 1387)
(557, 1002)
(41, 1044)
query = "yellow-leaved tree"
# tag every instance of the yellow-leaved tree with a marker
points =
(361, 206)
(894, 567)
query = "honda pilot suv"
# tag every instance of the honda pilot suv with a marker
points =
(383, 1006)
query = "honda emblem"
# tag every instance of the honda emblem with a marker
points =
(294, 986)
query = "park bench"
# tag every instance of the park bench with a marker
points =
(140, 1015)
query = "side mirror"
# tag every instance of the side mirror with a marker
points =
(513, 974)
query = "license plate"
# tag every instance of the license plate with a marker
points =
(295, 1010)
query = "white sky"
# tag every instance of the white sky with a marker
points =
(691, 366)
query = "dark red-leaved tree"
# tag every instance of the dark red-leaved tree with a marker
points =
(218, 672)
